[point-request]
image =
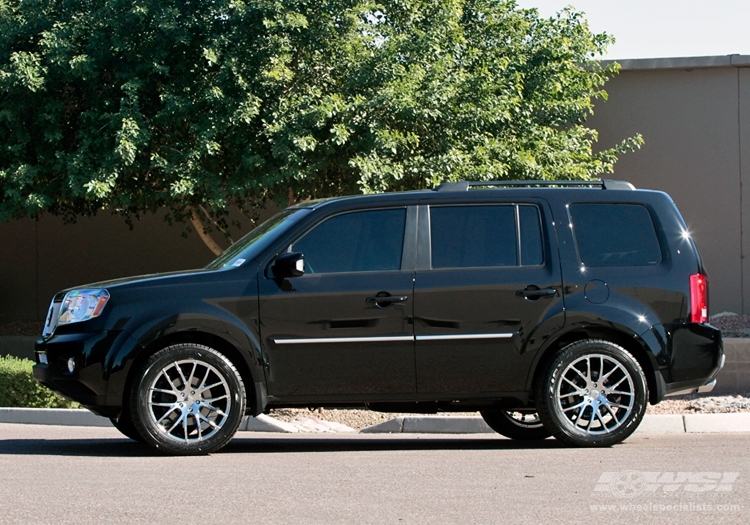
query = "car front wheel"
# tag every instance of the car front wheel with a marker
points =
(187, 399)
(593, 394)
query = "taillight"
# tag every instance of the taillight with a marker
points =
(698, 298)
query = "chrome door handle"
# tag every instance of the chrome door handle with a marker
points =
(534, 292)
(386, 300)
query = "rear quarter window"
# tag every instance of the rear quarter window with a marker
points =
(615, 234)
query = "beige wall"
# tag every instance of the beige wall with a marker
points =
(696, 126)
(39, 258)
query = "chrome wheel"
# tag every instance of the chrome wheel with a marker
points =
(592, 394)
(189, 401)
(596, 394)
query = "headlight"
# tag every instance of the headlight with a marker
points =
(82, 305)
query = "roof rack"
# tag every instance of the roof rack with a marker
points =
(605, 184)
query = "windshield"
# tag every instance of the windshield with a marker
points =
(252, 244)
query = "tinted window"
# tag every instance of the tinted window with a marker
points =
(473, 236)
(615, 235)
(355, 242)
(531, 236)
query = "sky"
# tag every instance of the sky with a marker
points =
(663, 28)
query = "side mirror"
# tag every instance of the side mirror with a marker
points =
(289, 265)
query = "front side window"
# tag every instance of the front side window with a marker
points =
(362, 241)
(615, 235)
(485, 236)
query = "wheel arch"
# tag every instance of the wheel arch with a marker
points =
(255, 395)
(631, 342)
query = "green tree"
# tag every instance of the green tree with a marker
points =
(199, 106)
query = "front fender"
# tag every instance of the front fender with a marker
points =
(198, 319)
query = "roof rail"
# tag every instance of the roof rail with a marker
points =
(605, 184)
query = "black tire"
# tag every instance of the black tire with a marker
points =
(124, 424)
(523, 426)
(578, 408)
(187, 399)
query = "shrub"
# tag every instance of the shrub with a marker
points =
(19, 389)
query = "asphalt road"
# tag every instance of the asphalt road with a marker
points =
(91, 475)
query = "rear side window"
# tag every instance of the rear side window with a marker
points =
(362, 241)
(615, 235)
(485, 236)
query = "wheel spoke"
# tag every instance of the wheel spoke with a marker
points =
(612, 412)
(177, 422)
(182, 376)
(169, 380)
(198, 425)
(618, 392)
(583, 407)
(214, 409)
(216, 398)
(579, 373)
(620, 381)
(578, 389)
(209, 387)
(162, 391)
(203, 381)
(162, 418)
(594, 410)
(606, 376)
(604, 425)
(574, 406)
(204, 418)
(190, 377)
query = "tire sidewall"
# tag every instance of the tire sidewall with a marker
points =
(557, 422)
(140, 408)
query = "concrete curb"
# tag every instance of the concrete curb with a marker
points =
(652, 424)
(53, 416)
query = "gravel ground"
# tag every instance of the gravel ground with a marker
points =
(358, 419)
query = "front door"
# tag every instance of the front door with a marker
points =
(343, 328)
(485, 282)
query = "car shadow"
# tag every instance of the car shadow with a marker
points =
(116, 447)
(122, 447)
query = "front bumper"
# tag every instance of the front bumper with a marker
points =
(87, 382)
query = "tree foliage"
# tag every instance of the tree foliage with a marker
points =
(199, 105)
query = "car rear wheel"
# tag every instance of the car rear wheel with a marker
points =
(593, 394)
(523, 426)
(188, 399)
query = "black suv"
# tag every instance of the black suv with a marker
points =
(556, 308)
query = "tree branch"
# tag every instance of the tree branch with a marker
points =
(205, 237)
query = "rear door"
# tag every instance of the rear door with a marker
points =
(487, 281)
